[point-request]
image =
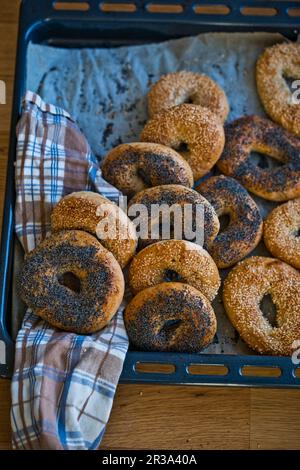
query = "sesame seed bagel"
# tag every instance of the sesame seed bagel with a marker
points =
(170, 317)
(200, 215)
(193, 131)
(281, 232)
(140, 165)
(245, 287)
(187, 87)
(277, 62)
(245, 227)
(255, 134)
(88, 211)
(175, 260)
(71, 281)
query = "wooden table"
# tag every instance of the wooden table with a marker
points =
(164, 416)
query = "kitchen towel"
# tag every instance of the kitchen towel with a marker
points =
(63, 384)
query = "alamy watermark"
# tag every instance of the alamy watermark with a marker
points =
(296, 94)
(152, 222)
(2, 92)
(296, 352)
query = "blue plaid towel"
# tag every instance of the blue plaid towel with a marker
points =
(63, 384)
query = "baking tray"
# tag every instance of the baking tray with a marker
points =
(122, 22)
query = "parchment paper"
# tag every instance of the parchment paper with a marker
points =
(105, 91)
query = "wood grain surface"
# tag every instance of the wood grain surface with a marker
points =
(165, 417)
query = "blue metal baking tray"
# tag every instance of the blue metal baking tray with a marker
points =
(94, 23)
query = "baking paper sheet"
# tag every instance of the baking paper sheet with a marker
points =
(105, 91)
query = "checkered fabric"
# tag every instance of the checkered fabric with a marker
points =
(63, 384)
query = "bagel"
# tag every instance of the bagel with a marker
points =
(175, 260)
(139, 165)
(170, 317)
(176, 197)
(71, 281)
(187, 87)
(253, 133)
(85, 210)
(281, 232)
(277, 62)
(245, 228)
(245, 287)
(193, 131)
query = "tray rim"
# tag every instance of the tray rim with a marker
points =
(35, 15)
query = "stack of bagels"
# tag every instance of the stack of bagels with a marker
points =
(174, 282)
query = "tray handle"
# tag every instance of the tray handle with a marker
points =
(249, 12)
(210, 369)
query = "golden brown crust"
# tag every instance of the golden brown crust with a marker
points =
(45, 284)
(140, 165)
(193, 131)
(245, 227)
(277, 62)
(170, 317)
(175, 260)
(255, 134)
(174, 194)
(281, 232)
(187, 87)
(245, 287)
(84, 210)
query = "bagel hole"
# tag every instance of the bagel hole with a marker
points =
(268, 309)
(144, 177)
(170, 326)
(224, 220)
(188, 100)
(297, 233)
(182, 147)
(264, 161)
(171, 276)
(69, 280)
